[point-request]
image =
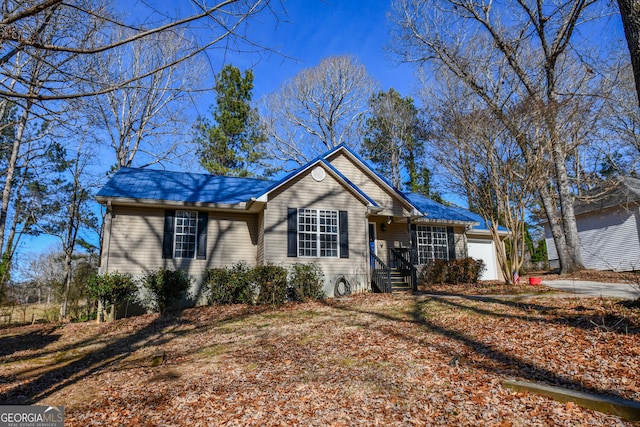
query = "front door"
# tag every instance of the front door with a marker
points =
(372, 240)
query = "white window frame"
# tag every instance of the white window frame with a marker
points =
(318, 233)
(185, 234)
(432, 243)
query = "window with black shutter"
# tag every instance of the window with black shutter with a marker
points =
(317, 233)
(185, 234)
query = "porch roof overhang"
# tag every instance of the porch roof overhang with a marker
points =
(426, 219)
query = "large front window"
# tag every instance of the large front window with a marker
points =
(432, 244)
(317, 233)
(185, 234)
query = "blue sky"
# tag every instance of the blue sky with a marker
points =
(315, 29)
(325, 28)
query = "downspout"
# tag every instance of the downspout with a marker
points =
(106, 244)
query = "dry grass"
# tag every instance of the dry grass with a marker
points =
(21, 314)
(366, 360)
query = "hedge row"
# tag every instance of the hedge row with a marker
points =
(264, 284)
(466, 270)
(239, 284)
(164, 287)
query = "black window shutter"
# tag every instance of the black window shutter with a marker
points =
(451, 240)
(292, 232)
(167, 237)
(203, 219)
(344, 234)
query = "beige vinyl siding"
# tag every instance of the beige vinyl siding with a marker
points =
(260, 248)
(135, 241)
(395, 236)
(461, 242)
(305, 192)
(391, 204)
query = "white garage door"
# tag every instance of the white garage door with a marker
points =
(484, 250)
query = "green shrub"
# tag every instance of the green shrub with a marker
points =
(111, 289)
(233, 285)
(466, 270)
(271, 282)
(306, 282)
(165, 287)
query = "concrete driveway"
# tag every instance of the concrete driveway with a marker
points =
(595, 289)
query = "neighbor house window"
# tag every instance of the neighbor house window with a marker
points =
(317, 233)
(432, 244)
(185, 235)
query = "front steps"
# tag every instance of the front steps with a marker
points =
(399, 283)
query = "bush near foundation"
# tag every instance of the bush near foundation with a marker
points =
(466, 270)
(165, 287)
(234, 285)
(306, 282)
(263, 284)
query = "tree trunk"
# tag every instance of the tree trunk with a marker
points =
(67, 287)
(569, 225)
(630, 12)
(557, 232)
(11, 170)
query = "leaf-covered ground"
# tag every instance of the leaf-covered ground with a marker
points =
(366, 360)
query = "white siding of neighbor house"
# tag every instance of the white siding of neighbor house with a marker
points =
(552, 254)
(134, 239)
(609, 239)
(305, 192)
(362, 180)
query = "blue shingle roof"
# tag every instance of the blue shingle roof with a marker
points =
(477, 218)
(436, 211)
(170, 186)
(152, 184)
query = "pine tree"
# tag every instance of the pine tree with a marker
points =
(232, 144)
(394, 140)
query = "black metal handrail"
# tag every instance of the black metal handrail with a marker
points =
(401, 260)
(381, 273)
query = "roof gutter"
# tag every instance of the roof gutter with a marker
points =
(124, 201)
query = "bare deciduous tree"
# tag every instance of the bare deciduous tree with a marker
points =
(525, 59)
(482, 162)
(146, 117)
(318, 109)
(22, 25)
(630, 12)
(45, 46)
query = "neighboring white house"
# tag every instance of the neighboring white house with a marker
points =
(608, 221)
(335, 211)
